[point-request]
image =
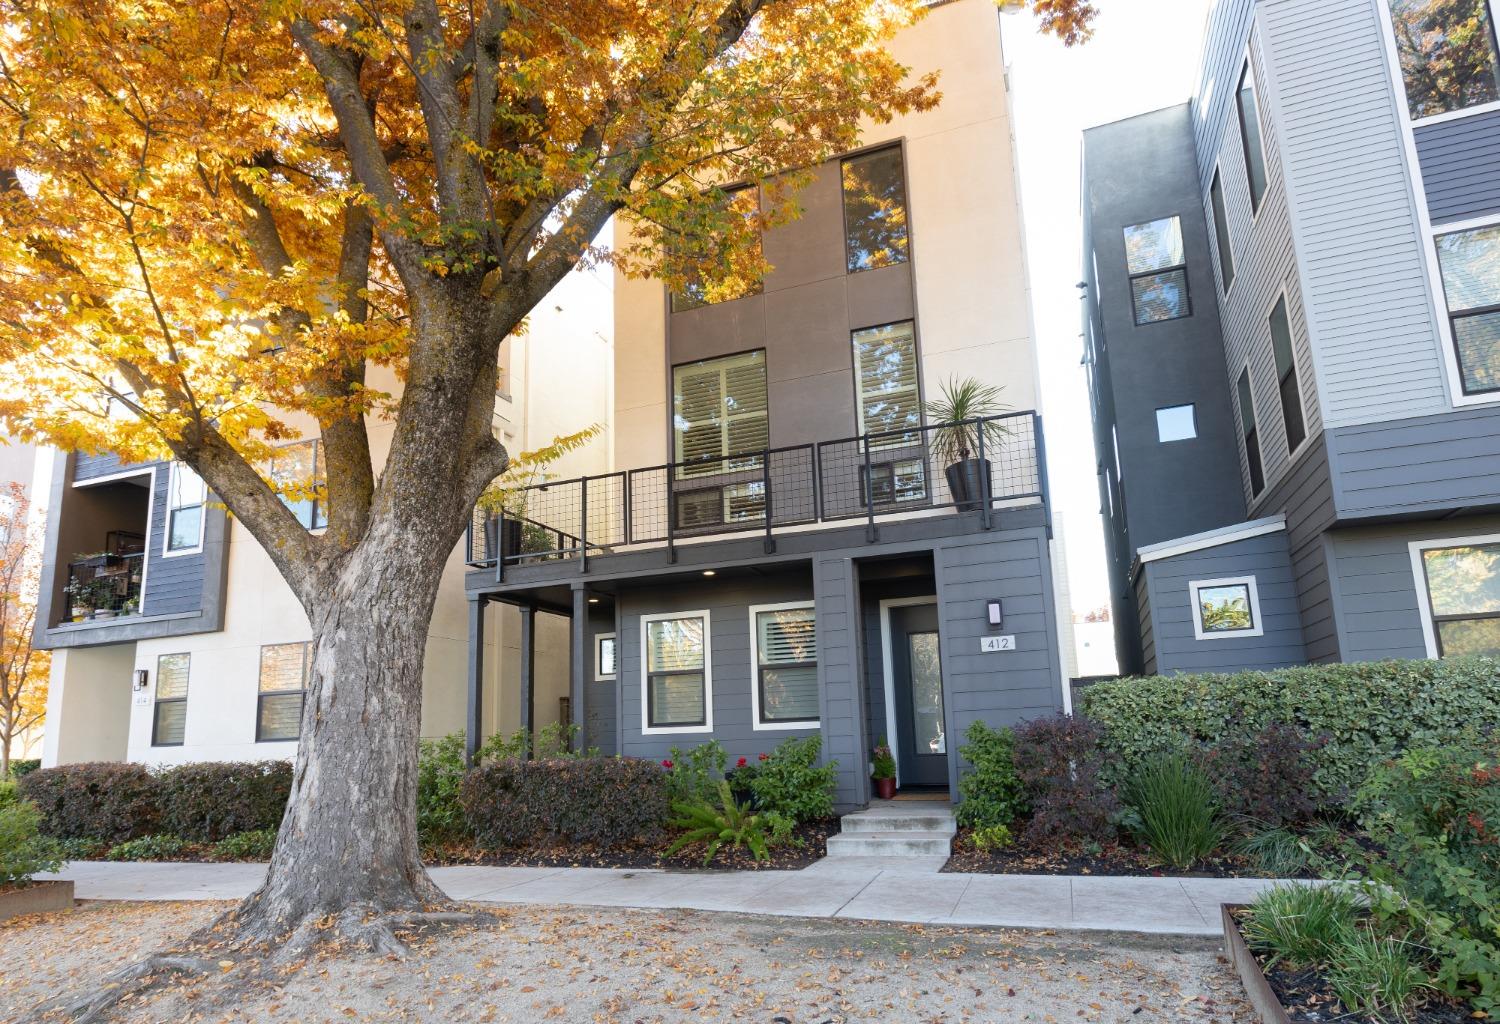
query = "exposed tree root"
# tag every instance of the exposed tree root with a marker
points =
(220, 950)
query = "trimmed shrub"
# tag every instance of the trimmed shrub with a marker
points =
(792, 785)
(209, 800)
(991, 791)
(603, 801)
(1175, 811)
(1059, 761)
(24, 766)
(256, 845)
(1266, 777)
(693, 775)
(440, 772)
(105, 801)
(1369, 711)
(23, 852)
(158, 847)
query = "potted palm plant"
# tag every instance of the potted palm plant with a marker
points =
(962, 410)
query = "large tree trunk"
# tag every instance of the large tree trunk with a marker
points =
(347, 846)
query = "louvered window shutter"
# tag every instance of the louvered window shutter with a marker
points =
(886, 362)
(787, 644)
(721, 410)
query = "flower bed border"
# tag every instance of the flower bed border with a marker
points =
(36, 898)
(1257, 986)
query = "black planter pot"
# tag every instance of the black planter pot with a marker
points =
(969, 483)
(508, 542)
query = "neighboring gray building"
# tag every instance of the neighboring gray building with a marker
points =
(1292, 316)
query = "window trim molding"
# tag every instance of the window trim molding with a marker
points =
(1257, 624)
(599, 674)
(1419, 579)
(156, 701)
(1247, 67)
(887, 662)
(755, 666)
(167, 551)
(1208, 205)
(1292, 454)
(1444, 310)
(1393, 65)
(1244, 438)
(261, 694)
(647, 729)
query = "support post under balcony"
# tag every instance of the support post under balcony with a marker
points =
(473, 731)
(578, 661)
(528, 676)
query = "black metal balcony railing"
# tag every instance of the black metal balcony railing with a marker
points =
(105, 586)
(871, 476)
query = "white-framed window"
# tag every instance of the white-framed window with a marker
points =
(297, 473)
(677, 693)
(1225, 608)
(1458, 594)
(284, 671)
(875, 229)
(1251, 137)
(1469, 263)
(1221, 231)
(1176, 423)
(605, 657)
(784, 656)
(1157, 265)
(1447, 56)
(1250, 432)
(720, 408)
(885, 384)
(1287, 385)
(169, 711)
(186, 495)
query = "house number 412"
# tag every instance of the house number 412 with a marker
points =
(997, 643)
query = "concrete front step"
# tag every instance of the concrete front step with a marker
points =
(893, 821)
(889, 844)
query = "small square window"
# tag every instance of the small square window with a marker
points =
(604, 657)
(1176, 423)
(1225, 608)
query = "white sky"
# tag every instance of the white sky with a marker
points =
(1143, 56)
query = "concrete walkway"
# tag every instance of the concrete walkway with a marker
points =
(876, 889)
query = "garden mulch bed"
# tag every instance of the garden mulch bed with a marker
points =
(1027, 857)
(809, 844)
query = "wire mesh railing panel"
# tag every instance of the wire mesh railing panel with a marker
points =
(647, 512)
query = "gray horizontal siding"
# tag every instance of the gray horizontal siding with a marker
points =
(1461, 166)
(91, 467)
(1305, 496)
(1423, 464)
(1267, 558)
(173, 585)
(1148, 630)
(1356, 226)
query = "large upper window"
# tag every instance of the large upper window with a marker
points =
(885, 360)
(1250, 138)
(283, 688)
(719, 409)
(1463, 597)
(1251, 434)
(1225, 608)
(1471, 281)
(185, 497)
(695, 291)
(676, 676)
(785, 644)
(297, 473)
(1286, 376)
(874, 210)
(1158, 271)
(169, 716)
(1221, 232)
(1448, 54)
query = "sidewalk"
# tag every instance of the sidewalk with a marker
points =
(876, 889)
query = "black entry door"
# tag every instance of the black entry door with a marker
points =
(917, 686)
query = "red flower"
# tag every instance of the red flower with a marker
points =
(667, 763)
(765, 757)
(741, 763)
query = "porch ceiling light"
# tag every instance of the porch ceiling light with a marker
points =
(709, 572)
(994, 612)
(593, 600)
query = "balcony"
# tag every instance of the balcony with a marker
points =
(876, 477)
(105, 586)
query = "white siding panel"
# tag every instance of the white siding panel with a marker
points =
(1343, 154)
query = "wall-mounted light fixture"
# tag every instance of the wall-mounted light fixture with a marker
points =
(142, 679)
(994, 613)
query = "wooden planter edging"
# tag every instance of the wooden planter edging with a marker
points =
(36, 898)
(1267, 1007)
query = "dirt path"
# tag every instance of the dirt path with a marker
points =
(646, 967)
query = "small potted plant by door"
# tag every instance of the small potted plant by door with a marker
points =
(962, 411)
(883, 770)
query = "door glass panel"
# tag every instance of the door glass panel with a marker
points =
(926, 694)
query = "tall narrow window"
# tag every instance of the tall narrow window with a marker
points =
(719, 410)
(283, 688)
(169, 716)
(743, 241)
(874, 210)
(1286, 376)
(1221, 232)
(785, 639)
(1158, 271)
(676, 677)
(185, 497)
(1463, 594)
(1448, 54)
(1251, 434)
(1470, 261)
(296, 472)
(1250, 138)
(885, 360)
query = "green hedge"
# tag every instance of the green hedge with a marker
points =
(207, 801)
(1368, 711)
(603, 800)
(105, 801)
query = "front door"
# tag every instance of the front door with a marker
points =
(917, 687)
